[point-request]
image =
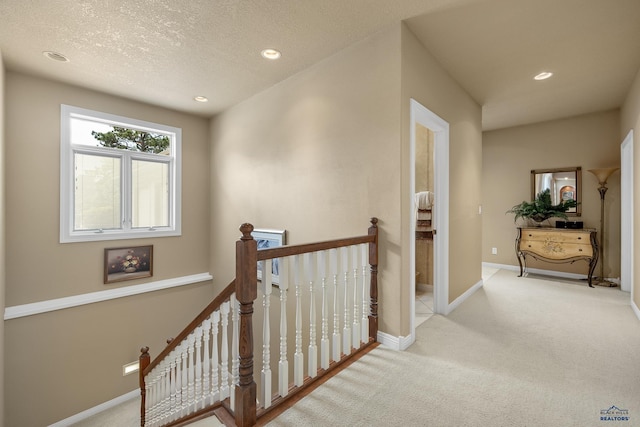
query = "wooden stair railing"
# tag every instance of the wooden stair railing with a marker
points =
(169, 394)
(195, 376)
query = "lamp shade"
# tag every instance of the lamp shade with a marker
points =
(603, 174)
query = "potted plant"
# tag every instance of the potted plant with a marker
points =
(541, 209)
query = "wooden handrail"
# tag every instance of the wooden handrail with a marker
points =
(213, 306)
(284, 251)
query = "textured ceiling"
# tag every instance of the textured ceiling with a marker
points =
(165, 52)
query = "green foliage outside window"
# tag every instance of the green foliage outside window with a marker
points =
(132, 140)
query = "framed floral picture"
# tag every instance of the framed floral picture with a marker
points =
(128, 263)
(269, 239)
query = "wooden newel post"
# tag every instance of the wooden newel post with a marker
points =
(373, 291)
(144, 361)
(246, 293)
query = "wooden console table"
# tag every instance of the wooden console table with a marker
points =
(557, 245)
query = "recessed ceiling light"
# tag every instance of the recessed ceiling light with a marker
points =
(201, 98)
(55, 56)
(543, 76)
(270, 54)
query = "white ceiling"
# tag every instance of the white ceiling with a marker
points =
(165, 52)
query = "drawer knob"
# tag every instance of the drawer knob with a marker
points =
(579, 238)
(579, 250)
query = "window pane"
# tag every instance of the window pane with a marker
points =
(97, 192)
(98, 134)
(150, 182)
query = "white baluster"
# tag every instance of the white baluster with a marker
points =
(333, 262)
(191, 395)
(178, 379)
(283, 364)
(198, 354)
(169, 410)
(265, 393)
(148, 400)
(185, 378)
(324, 337)
(159, 394)
(172, 376)
(224, 356)
(364, 257)
(298, 357)
(346, 330)
(356, 307)
(206, 360)
(215, 386)
(235, 347)
(164, 385)
(160, 390)
(151, 396)
(310, 266)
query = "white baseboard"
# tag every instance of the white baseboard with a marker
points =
(92, 297)
(96, 409)
(462, 298)
(395, 343)
(635, 309)
(561, 274)
(501, 266)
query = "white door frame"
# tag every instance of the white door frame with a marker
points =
(626, 213)
(440, 128)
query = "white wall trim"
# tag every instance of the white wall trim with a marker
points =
(30, 309)
(96, 409)
(561, 274)
(501, 266)
(462, 298)
(395, 343)
(635, 309)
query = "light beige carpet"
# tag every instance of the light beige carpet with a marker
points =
(520, 352)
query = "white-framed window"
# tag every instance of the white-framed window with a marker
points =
(120, 178)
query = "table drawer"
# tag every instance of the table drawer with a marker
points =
(552, 249)
(557, 236)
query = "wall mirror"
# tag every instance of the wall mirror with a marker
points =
(563, 183)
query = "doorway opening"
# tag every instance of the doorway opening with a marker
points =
(424, 207)
(429, 215)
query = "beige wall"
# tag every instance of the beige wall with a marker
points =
(2, 240)
(424, 80)
(589, 141)
(630, 119)
(71, 360)
(339, 141)
(317, 155)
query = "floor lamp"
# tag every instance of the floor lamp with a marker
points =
(602, 175)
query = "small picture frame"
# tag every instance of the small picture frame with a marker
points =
(267, 238)
(129, 263)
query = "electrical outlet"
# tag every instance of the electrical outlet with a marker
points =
(494, 251)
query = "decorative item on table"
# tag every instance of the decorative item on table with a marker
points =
(541, 208)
